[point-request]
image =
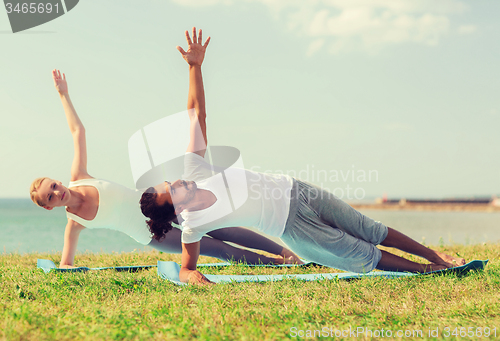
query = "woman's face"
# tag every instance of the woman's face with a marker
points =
(53, 194)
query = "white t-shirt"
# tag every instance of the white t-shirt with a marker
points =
(244, 198)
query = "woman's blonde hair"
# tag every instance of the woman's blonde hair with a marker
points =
(34, 191)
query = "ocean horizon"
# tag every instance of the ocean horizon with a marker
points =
(26, 228)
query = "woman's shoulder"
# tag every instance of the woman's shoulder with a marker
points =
(77, 181)
(81, 177)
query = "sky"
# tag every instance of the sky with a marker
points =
(362, 97)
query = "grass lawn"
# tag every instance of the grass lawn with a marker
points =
(141, 306)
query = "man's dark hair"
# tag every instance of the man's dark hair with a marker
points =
(160, 216)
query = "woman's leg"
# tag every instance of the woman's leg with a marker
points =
(247, 238)
(218, 249)
(212, 248)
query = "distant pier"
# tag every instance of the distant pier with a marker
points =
(491, 204)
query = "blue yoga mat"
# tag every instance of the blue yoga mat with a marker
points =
(170, 272)
(47, 265)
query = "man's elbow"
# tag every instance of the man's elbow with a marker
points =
(197, 112)
(202, 115)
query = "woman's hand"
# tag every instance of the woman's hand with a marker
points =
(196, 51)
(60, 82)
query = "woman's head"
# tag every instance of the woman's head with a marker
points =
(161, 216)
(48, 193)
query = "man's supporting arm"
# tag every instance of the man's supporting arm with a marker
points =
(188, 272)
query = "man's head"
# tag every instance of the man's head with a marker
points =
(164, 202)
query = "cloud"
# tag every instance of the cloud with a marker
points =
(494, 112)
(315, 46)
(370, 25)
(467, 29)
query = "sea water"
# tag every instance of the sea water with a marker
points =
(24, 228)
(436, 228)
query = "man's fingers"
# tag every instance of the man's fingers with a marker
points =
(194, 35)
(181, 50)
(199, 37)
(206, 43)
(188, 38)
(206, 281)
(64, 76)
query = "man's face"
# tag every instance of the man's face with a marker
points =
(179, 194)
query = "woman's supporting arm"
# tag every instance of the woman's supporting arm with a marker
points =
(71, 235)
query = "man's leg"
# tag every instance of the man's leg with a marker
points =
(404, 243)
(338, 214)
(390, 262)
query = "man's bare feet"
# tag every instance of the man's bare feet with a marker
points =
(290, 257)
(447, 260)
(432, 267)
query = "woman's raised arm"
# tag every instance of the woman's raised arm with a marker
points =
(79, 166)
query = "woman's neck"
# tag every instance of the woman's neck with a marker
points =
(76, 201)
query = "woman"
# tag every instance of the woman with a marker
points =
(96, 203)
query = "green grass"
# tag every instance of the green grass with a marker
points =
(141, 306)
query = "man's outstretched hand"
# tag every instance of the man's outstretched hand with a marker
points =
(196, 51)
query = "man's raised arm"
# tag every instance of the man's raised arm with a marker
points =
(196, 98)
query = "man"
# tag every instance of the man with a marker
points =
(312, 222)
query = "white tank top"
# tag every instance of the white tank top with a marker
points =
(119, 210)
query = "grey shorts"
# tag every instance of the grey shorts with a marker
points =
(324, 229)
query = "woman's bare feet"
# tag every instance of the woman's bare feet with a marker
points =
(281, 261)
(447, 260)
(290, 257)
